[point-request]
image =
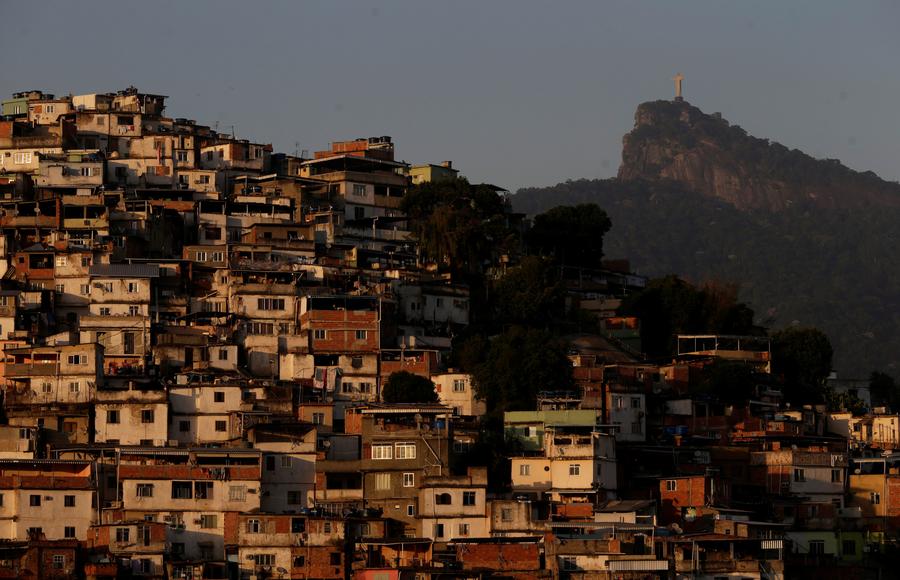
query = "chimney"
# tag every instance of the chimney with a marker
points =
(447, 164)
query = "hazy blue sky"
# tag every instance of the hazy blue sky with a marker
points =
(517, 93)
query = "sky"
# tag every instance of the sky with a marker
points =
(517, 93)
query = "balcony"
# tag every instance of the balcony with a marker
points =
(17, 370)
(89, 223)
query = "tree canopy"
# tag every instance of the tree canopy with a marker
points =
(802, 358)
(510, 369)
(458, 225)
(406, 387)
(670, 306)
(573, 235)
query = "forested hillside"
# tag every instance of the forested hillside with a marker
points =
(836, 269)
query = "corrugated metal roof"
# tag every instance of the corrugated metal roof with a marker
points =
(125, 270)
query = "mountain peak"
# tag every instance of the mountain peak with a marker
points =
(676, 141)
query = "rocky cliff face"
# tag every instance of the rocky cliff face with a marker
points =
(704, 153)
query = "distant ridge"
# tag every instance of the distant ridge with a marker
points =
(810, 242)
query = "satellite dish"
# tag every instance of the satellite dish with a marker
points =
(282, 571)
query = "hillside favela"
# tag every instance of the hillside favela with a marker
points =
(221, 361)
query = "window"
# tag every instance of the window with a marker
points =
(319, 334)
(318, 418)
(287, 462)
(636, 428)
(411, 510)
(299, 561)
(69, 501)
(438, 530)
(816, 547)
(34, 501)
(147, 416)
(123, 535)
(61, 261)
(221, 426)
(468, 498)
(212, 233)
(181, 156)
(635, 402)
(359, 190)
(361, 334)
(799, 475)
(133, 310)
(347, 387)
(182, 490)
(46, 387)
(574, 469)
(253, 526)
(443, 499)
(69, 532)
(60, 288)
(298, 525)
(84, 289)
(184, 426)
(104, 311)
(145, 490)
(335, 558)
(223, 355)
(261, 328)
(836, 476)
(569, 563)
(295, 497)
(263, 559)
(22, 158)
(270, 303)
(459, 386)
(382, 481)
(382, 452)
(145, 565)
(106, 286)
(218, 257)
(671, 485)
(74, 386)
(59, 561)
(132, 287)
(409, 480)
(209, 521)
(201, 256)
(618, 402)
(875, 497)
(77, 359)
(203, 489)
(326, 527)
(237, 493)
(463, 529)
(219, 396)
(506, 515)
(848, 547)
(524, 469)
(203, 179)
(365, 387)
(406, 450)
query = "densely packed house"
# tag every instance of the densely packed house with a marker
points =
(196, 331)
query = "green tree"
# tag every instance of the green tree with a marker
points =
(801, 357)
(529, 294)
(731, 382)
(670, 306)
(516, 366)
(573, 235)
(458, 225)
(406, 387)
(883, 389)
